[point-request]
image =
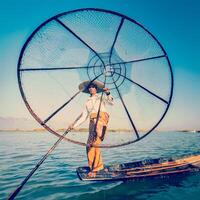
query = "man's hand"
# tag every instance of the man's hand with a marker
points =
(106, 90)
(70, 127)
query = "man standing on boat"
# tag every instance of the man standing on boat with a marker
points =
(95, 109)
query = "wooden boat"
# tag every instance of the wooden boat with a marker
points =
(152, 168)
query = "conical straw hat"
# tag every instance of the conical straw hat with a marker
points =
(85, 85)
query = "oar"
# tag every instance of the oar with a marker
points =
(14, 194)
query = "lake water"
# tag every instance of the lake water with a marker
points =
(57, 179)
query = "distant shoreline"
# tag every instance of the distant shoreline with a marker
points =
(86, 130)
(62, 130)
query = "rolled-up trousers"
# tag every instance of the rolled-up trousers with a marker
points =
(97, 130)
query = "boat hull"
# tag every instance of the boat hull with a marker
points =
(153, 168)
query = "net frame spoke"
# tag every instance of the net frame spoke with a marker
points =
(147, 90)
(138, 60)
(127, 112)
(115, 38)
(73, 33)
(56, 68)
(67, 102)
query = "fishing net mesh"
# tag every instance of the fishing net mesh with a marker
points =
(87, 45)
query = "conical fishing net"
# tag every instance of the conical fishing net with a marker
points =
(94, 44)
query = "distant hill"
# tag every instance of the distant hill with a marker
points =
(11, 123)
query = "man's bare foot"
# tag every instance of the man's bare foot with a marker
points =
(105, 170)
(92, 174)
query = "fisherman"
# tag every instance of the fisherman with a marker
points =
(95, 109)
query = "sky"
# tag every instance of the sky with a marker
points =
(175, 24)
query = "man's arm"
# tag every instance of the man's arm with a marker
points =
(80, 119)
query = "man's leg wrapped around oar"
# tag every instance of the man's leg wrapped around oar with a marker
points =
(96, 136)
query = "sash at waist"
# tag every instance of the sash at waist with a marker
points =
(103, 117)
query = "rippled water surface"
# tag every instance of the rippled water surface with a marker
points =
(57, 179)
